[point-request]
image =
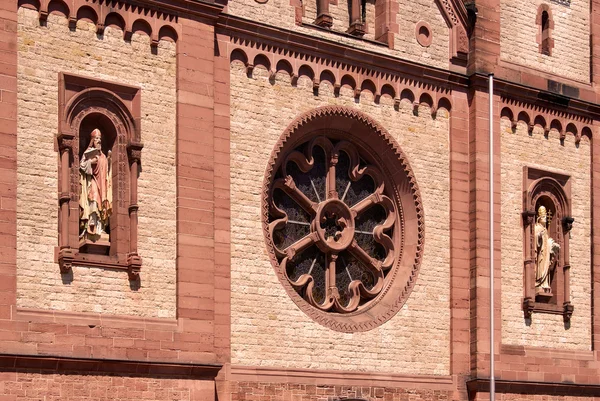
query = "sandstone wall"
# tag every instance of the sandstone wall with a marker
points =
(281, 14)
(571, 53)
(267, 328)
(30, 385)
(246, 391)
(521, 149)
(44, 52)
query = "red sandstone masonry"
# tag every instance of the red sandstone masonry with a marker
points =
(8, 156)
(485, 40)
(203, 313)
(459, 242)
(479, 218)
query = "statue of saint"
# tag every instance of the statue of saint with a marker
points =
(546, 252)
(95, 199)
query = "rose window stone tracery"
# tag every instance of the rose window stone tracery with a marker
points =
(343, 222)
(332, 225)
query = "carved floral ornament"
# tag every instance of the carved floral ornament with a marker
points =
(343, 219)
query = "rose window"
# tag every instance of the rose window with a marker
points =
(336, 227)
(332, 225)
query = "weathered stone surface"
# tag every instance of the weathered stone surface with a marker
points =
(521, 149)
(281, 13)
(571, 53)
(43, 53)
(266, 327)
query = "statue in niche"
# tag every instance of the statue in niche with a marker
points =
(95, 200)
(546, 253)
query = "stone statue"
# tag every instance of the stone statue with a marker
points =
(546, 252)
(95, 200)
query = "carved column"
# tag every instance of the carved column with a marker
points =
(65, 254)
(528, 264)
(134, 261)
(568, 309)
(356, 25)
(323, 17)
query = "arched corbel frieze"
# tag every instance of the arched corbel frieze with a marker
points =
(156, 25)
(340, 76)
(549, 120)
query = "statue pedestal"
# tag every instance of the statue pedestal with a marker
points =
(99, 247)
(543, 295)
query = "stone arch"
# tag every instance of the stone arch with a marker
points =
(388, 90)
(552, 191)
(545, 24)
(284, 65)
(238, 55)
(87, 13)
(141, 25)
(84, 106)
(167, 32)
(444, 103)
(115, 19)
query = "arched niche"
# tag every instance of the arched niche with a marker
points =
(546, 224)
(109, 112)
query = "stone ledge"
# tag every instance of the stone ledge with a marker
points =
(106, 366)
(531, 387)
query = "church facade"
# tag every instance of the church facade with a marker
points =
(289, 200)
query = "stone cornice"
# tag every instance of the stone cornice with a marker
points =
(335, 377)
(310, 46)
(183, 8)
(107, 366)
(532, 387)
(537, 97)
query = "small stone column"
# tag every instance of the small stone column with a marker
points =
(134, 261)
(65, 254)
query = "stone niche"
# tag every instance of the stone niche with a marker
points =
(547, 222)
(100, 158)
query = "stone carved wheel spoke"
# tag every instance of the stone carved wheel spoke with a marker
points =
(343, 219)
(331, 200)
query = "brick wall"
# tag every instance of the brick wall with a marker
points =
(521, 149)
(258, 391)
(409, 14)
(281, 13)
(267, 328)
(43, 53)
(571, 53)
(30, 385)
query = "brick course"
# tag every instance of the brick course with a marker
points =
(259, 391)
(30, 385)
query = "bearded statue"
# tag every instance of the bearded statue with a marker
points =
(95, 200)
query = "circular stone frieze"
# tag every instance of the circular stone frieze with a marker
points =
(343, 219)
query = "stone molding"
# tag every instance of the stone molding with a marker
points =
(546, 118)
(58, 364)
(482, 385)
(130, 17)
(120, 105)
(320, 70)
(376, 139)
(557, 188)
(539, 36)
(335, 377)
